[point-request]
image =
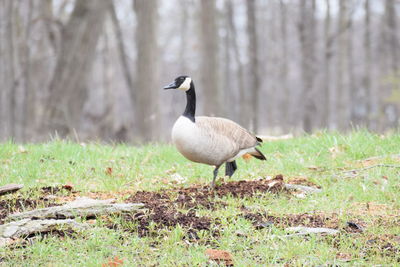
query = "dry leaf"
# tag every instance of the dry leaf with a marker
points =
(109, 171)
(114, 262)
(246, 157)
(343, 256)
(220, 256)
(68, 187)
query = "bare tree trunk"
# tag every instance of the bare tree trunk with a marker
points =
(342, 68)
(209, 57)
(144, 98)
(240, 111)
(226, 48)
(27, 107)
(8, 97)
(391, 33)
(330, 97)
(68, 86)
(254, 77)
(284, 103)
(307, 39)
(121, 47)
(390, 104)
(369, 94)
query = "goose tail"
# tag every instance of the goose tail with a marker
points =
(258, 154)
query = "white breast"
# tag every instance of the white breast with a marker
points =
(199, 145)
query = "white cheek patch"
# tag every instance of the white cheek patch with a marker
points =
(186, 84)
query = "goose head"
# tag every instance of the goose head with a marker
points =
(182, 82)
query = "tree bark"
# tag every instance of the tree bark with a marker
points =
(7, 68)
(342, 86)
(307, 41)
(209, 57)
(241, 93)
(67, 90)
(144, 97)
(254, 76)
(366, 79)
(121, 47)
(284, 103)
(329, 100)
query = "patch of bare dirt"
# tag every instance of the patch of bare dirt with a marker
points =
(33, 199)
(315, 220)
(302, 181)
(8, 206)
(386, 245)
(163, 205)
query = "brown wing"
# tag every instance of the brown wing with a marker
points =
(229, 129)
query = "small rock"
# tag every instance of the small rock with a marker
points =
(355, 226)
(263, 225)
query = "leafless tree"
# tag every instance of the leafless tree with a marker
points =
(144, 96)
(254, 77)
(209, 58)
(67, 90)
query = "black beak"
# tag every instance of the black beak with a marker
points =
(171, 86)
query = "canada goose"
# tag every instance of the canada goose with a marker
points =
(210, 140)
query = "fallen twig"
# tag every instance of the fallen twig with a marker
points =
(393, 156)
(367, 168)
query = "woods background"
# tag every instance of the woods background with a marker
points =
(95, 69)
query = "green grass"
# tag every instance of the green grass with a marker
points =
(321, 158)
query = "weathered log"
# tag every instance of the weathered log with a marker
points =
(26, 227)
(81, 207)
(10, 188)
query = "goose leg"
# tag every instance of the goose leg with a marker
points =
(230, 168)
(215, 176)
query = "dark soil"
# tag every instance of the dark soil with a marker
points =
(314, 220)
(9, 206)
(163, 205)
(30, 200)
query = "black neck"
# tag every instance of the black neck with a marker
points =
(191, 103)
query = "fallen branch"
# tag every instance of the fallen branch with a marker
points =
(81, 207)
(370, 167)
(10, 188)
(26, 227)
(393, 156)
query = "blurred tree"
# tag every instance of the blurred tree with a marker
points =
(329, 98)
(7, 70)
(307, 36)
(254, 75)
(144, 95)
(67, 90)
(239, 109)
(342, 81)
(209, 58)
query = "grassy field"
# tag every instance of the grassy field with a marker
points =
(369, 195)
